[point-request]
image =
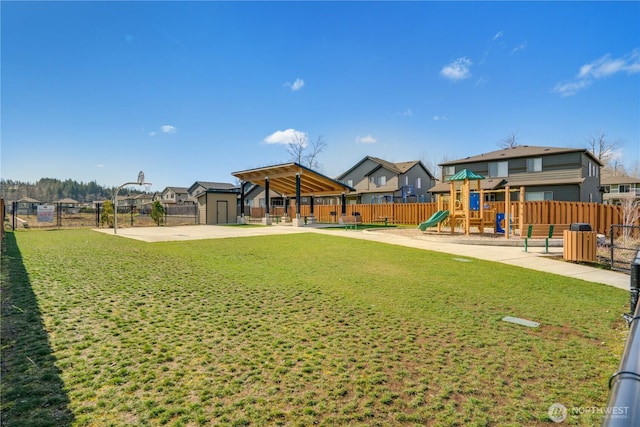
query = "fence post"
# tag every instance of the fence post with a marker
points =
(14, 213)
(611, 244)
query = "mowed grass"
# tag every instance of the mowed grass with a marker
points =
(302, 329)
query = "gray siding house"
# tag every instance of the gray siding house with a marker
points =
(379, 181)
(547, 173)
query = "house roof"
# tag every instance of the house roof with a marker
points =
(144, 196)
(619, 179)
(68, 201)
(177, 189)
(397, 168)
(517, 152)
(282, 179)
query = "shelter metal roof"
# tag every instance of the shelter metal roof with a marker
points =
(282, 179)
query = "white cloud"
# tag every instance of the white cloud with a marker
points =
(605, 66)
(286, 136)
(498, 35)
(438, 118)
(295, 86)
(457, 70)
(366, 139)
(168, 129)
(406, 113)
(152, 134)
(99, 165)
(521, 46)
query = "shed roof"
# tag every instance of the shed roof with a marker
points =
(282, 179)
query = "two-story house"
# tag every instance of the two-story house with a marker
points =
(617, 188)
(379, 181)
(547, 173)
(176, 195)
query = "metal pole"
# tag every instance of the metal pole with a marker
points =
(115, 205)
(623, 408)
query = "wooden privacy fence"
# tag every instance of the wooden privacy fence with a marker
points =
(599, 216)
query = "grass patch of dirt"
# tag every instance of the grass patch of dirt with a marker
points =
(303, 329)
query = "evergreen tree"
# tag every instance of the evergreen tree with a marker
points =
(157, 212)
(106, 215)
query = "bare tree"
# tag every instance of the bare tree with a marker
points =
(431, 164)
(296, 147)
(601, 148)
(630, 215)
(305, 153)
(510, 141)
(316, 147)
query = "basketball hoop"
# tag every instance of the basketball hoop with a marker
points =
(141, 178)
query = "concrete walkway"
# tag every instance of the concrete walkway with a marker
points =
(535, 259)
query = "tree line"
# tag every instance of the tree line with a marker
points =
(52, 189)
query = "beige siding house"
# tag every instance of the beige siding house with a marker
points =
(617, 188)
(176, 195)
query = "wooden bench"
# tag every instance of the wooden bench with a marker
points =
(544, 231)
(350, 221)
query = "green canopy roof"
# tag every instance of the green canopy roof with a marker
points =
(465, 174)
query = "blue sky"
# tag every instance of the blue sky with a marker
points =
(189, 91)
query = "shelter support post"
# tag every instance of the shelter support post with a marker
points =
(298, 222)
(241, 219)
(266, 220)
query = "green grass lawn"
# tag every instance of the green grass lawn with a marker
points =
(303, 329)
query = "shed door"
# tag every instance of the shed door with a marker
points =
(222, 212)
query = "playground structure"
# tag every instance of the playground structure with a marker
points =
(464, 207)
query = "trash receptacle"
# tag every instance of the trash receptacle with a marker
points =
(579, 243)
(579, 226)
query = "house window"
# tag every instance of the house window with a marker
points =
(449, 170)
(350, 182)
(593, 169)
(498, 170)
(534, 165)
(418, 183)
(624, 188)
(372, 179)
(538, 196)
(382, 180)
(406, 180)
